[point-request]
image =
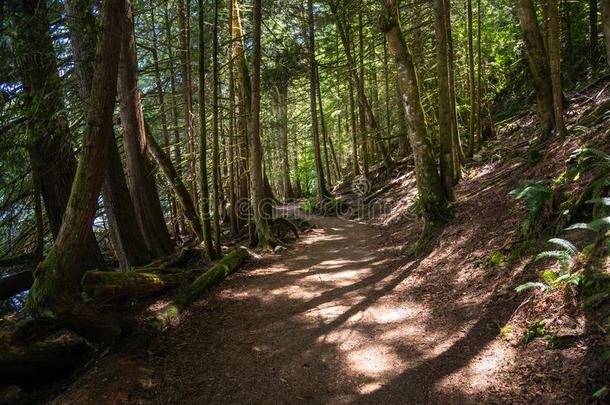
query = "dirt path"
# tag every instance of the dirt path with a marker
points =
(323, 323)
(341, 317)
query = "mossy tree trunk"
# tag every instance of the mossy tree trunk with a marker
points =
(322, 191)
(539, 66)
(431, 193)
(140, 175)
(126, 235)
(554, 46)
(175, 181)
(206, 225)
(444, 100)
(263, 233)
(56, 290)
(48, 132)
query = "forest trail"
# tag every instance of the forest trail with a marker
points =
(336, 319)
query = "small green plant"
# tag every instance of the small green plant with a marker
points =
(534, 330)
(496, 259)
(565, 255)
(506, 332)
(309, 206)
(537, 193)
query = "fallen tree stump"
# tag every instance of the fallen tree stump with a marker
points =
(101, 285)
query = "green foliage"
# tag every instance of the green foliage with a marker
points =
(537, 194)
(309, 206)
(601, 393)
(534, 330)
(496, 259)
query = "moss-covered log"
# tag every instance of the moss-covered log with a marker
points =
(40, 360)
(224, 267)
(101, 285)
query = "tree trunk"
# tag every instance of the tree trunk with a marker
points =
(185, 65)
(593, 31)
(403, 124)
(140, 176)
(444, 101)
(172, 82)
(471, 85)
(216, 182)
(51, 155)
(108, 285)
(606, 27)
(161, 96)
(364, 144)
(282, 106)
(353, 130)
(431, 194)
(126, 235)
(182, 195)
(263, 233)
(539, 67)
(56, 290)
(206, 232)
(218, 272)
(325, 135)
(555, 64)
(233, 169)
(322, 191)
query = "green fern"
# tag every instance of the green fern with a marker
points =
(537, 193)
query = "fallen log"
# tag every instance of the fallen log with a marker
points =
(40, 361)
(15, 283)
(102, 285)
(227, 265)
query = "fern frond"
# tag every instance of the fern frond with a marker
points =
(566, 244)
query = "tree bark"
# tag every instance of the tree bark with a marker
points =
(56, 290)
(593, 43)
(107, 285)
(175, 181)
(606, 27)
(206, 230)
(126, 235)
(322, 191)
(49, 149)
(162, 105)
(555, 64)
(216, 181)
(431, 194)
(185, 65)
(471, 84)
(263, 233)
(539, 67)
(282, 112)
(444, 101)
(140, 175)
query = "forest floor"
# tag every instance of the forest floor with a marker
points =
(339, 318)
(344, 317)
